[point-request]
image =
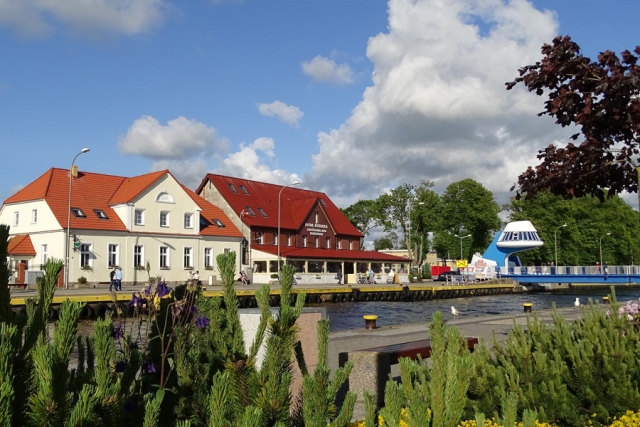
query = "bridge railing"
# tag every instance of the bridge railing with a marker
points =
(574, 269)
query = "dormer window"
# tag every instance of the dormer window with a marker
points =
(100, 214)
(250, 211)
(262, 212)
(232, 188)
(219, 223)
(77, 212)
(244, 190)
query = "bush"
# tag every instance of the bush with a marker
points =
(82, 280)
(274, 276)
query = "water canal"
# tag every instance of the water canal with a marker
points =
(348, 315)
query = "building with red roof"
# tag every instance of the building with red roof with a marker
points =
(314, 234)
(117, 221)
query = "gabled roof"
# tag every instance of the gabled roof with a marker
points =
(320, 253)
(91, 191)
(21, 245)
(296, 204)
(210, 212)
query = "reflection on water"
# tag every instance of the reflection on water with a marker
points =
(348, 315)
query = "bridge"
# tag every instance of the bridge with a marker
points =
(613, 274)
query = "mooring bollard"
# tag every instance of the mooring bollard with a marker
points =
(527, 307)
(370, 321)
(605, 300)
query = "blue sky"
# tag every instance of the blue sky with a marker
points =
(353, 97)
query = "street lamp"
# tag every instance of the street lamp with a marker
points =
(243, 212)
(461, 237)
(555, 241)
(608, 234)
(279, 194)
(68, 236)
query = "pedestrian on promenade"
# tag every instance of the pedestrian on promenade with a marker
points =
(196, 277)
(118, 277)
(112, 280)
(597, 267)
(606, 268)
(190, 275)
(339, 276)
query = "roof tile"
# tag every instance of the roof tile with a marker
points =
(21, 245)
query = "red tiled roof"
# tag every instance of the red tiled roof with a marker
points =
(296, 204)
(210, 212)
(99, 191)
(21, 245)
(315, 253)
(132, 187)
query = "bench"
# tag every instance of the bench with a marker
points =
(22, 285)
(372, 366)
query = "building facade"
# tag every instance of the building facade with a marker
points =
(304, 227)
(116, 221)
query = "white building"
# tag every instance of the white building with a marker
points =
(117, 221)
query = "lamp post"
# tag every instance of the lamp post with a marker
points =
(608, 234)
(461, 237)
(278, 237)
(68, 234)
(555, 242)
(243, 212)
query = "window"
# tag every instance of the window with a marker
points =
(262, 212)
(85, 255)
(100, 214)
(34, 216)
(139, 217)
(338, 243)
(77, 212)
(164, 257)
(259, 237)
(208, 258)
(317, 241)
(316, 217)
(164, 219)
(188, 220)
(16, 219)
(44, 254)
(138, 255)
(188, 258)
(244, 190)
(232, 188)
(304, 241)
(227, 250)
(328, 242)
(114, 255)
(288, 239)
(350, 244)
(251, 212)
(218, 223)
(164, 197)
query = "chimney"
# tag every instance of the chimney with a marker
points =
(74, 171)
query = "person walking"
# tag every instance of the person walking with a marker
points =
(339, 276)
(606, 268)
(112, 280)
(118, 277)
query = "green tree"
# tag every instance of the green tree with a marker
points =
(382, 243)
(363, 215)
(587, 221)
(466, 208)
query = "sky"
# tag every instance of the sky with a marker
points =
(351, 97)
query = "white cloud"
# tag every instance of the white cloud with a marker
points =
(438, 108)
(326, 70)
(188, 172)
(248, 164)
(179, 139)
(40, 17)
(289, 114)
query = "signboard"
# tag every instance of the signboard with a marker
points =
(316, 229)
(462, 263)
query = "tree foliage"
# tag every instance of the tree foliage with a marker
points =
(466, 208)
(602, 99)
(363, 215)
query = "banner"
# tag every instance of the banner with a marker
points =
(462, 263)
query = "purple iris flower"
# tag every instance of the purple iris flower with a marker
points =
(147, 291)
(137, 300)
(202, 322)
(162, 289)
(120, 366)
(148, 367)
(117, 332)
(194, 309)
